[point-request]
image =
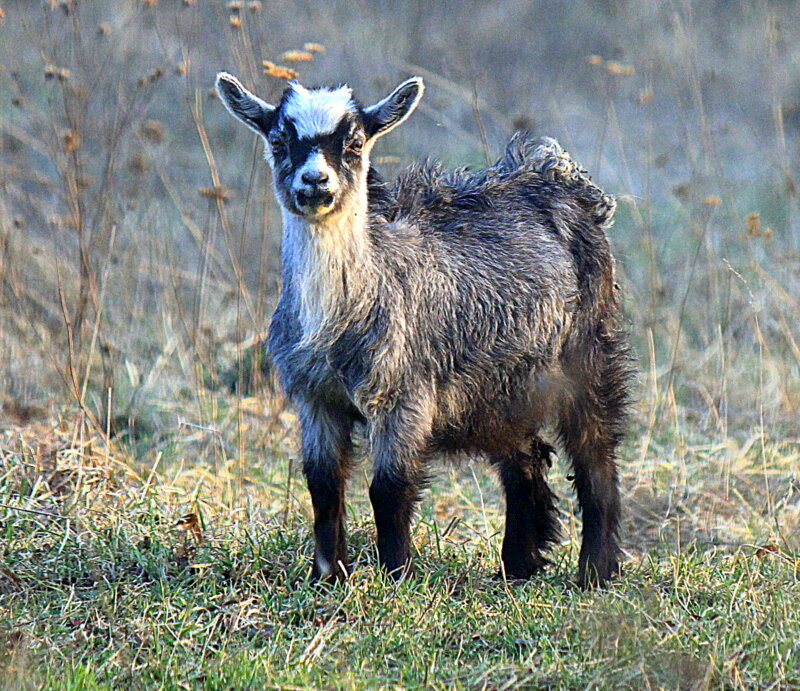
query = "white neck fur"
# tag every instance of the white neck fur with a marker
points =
(328, 263)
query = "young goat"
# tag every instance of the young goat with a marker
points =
(458, 313)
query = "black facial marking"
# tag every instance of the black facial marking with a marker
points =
(333, 145)
(342, 150)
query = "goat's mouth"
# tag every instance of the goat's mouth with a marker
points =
(313, 203)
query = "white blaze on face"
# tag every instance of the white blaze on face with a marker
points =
(314, 165)
(319, 111)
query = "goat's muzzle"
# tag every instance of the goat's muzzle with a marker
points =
(313, 199)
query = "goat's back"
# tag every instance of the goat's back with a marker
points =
(493, 275)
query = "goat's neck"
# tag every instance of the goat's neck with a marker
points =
(330, 266)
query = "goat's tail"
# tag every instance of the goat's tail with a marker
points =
(546, 157)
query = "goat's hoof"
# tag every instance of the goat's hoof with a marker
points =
(400, 573)
(337, 575)
(523, 567)
(598, 573)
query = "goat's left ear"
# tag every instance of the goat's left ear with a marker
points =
(387, 114)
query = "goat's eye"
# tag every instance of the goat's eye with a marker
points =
(355, 144)
(277, 140)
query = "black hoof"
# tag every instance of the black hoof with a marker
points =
(597, 574)
(523, 568)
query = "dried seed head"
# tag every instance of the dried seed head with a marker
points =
(217, 192)
(235, 21)
(619, 69)
(103, 29)
(314, 47)
(2, 15)
(71, 140)
(138, 164)
(595, 60)
(235, 5)
(182, 68)
(278, 71)
(151, 77)
(712, 200)
(191, 524)
(754, 224)
(254, 6)
(297, 56)
(682, 191)
(153, 131)
(54, 72)
(645, 97)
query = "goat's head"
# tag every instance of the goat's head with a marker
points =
(318, 141)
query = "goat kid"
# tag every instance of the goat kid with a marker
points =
(457, 313)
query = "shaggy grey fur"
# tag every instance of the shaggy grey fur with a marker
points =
(466, 314)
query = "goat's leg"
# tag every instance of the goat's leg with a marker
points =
(591, 431)
(531, 515)
(398, 443)
(394, 497)
(327, 447)
(598, 495)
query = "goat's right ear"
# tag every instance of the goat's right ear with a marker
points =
(387, 114)
(243, 105)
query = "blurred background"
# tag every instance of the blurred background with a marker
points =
(156, 527)
(139, 240)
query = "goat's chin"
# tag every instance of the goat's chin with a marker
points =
(311, 208)
(314, 215)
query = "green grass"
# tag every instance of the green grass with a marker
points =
(113, 590)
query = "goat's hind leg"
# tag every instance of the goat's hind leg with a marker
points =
(327, 448)
(531, 515)
(592, 430)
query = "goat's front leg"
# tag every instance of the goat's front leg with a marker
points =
(327, 448)
(398, 446)
(394, 496)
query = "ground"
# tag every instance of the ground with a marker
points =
(173, 576)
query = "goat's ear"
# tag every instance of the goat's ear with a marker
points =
(387, 114)
(243, 105)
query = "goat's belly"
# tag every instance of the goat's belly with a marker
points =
(498, 421)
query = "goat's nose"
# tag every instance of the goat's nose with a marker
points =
(314, 177)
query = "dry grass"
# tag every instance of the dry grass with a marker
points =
(155, 524)
(187, 574)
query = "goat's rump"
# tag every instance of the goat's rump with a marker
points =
(533, 173)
